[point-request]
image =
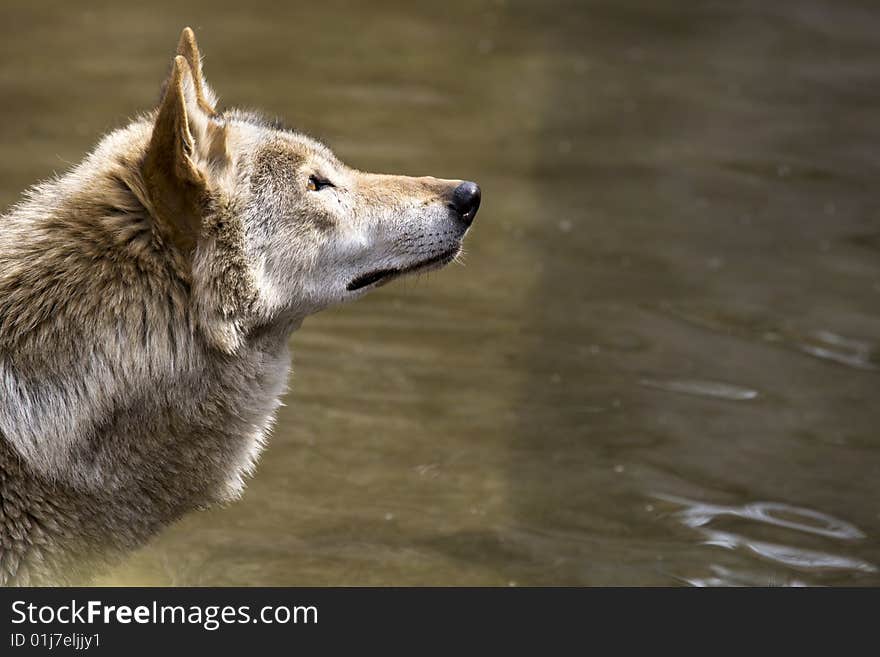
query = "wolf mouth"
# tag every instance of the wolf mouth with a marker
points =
(385, 275)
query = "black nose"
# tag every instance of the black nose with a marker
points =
(466, 201)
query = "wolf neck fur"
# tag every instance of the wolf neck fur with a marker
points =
(96, 316)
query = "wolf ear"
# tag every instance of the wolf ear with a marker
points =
(186, 150)
(174, 182)
(189, 50)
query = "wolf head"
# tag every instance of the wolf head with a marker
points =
(274, 227)
(189, 232)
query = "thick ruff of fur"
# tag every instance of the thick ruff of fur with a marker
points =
(123, 405)
(146, 300)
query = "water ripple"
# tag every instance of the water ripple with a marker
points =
(761, 326)
(698, 514)
(722, 576)
(700, 388)
(858, 354)
(787, 555)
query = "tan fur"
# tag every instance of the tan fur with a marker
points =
(146, 300)
(188, 48)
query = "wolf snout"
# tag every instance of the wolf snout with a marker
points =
(466, 201)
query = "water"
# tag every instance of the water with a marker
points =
(659, 362)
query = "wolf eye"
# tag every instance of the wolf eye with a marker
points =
(317, 184)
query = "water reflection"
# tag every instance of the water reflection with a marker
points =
(788, 555)
(722, 576)
(860, 354)
(698, 515)
(702, 388)
(852, 352)
(672, 285)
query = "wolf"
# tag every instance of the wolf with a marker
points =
(146, 301)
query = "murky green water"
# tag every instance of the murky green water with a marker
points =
(660, 363)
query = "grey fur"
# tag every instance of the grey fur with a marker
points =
(143, 354)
